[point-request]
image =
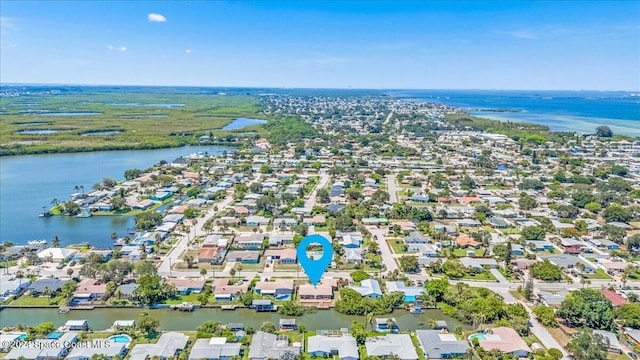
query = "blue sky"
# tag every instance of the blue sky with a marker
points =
(442, 45)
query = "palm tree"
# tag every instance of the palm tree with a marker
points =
(55, 242)
(369, 319)
(76, 188)
(203, 272)
(55, 202)
(82, 188)
(114, 235)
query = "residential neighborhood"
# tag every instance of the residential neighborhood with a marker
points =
(448, 241)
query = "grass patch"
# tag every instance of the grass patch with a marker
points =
(599, 274)
(463, 252)
(484, 276)
(192, 298)
(28, 300)
(397, 245)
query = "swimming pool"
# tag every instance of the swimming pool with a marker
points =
(55, 335)
(479, 336)
(121, 338)
(22, 336)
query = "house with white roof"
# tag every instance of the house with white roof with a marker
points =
(56, 254)
(323, 346)
(369, 288)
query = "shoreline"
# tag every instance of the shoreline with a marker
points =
(5, 152)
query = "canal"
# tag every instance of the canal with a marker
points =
(103, 318)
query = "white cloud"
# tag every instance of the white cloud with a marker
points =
(117, 48)
(522, 34)
(188, 51)
(156, 17)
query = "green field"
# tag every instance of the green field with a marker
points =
(154, 125)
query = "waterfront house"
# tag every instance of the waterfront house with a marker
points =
(41, 285)
(245, 256)
(185, 286)
(287, 324)
(169, 346)
(215, 348)
(57, 255)
(385, 324)
(270, 346)
(262, 305)
(505, 340)
(88, 290)
(76, 325)
(127, 290)
(8, 339)
(87, 350)
(280, 289)
(328, 346)
(223, 291)
(320, 292)
(369, 288)
(438, 345)
(410, 293)
(392, 344)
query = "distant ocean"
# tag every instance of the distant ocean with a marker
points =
(580, 111)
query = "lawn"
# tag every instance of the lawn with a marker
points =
(28, 300)
(192, 298)
(10, 263)
(484, 276)
(598, 275)
(463, 252)
(397, 245)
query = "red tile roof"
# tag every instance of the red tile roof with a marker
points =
(615, 298)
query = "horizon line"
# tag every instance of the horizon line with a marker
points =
(306, 88)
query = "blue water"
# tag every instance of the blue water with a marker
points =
(28, 183)
(55, 335)
(242, 122)
(580, 111)
(123, 339)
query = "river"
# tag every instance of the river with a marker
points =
(100, 319)
(29, 182)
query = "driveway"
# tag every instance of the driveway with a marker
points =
(392, 188)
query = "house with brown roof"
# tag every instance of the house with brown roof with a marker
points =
(615, 298)
(185, 286)
(505, 340)
(470, 199)
(210, 254)
(465, 241)
(89, 290)
(223, 291)
(285, 256)
(320, 292)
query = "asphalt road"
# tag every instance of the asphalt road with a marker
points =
(392, 188)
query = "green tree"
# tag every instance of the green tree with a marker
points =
(545, 315)
(268, 327)
(629, 315)
(545, 270)
(616, 212)
(290, 308)
(604, 131)
(409, 263)
(587, 345)
(587, 308)
(436, 288)
(527, 202)
(148, 220)
(147, 324)
(359, 275)
(150, 289)
(533, 233)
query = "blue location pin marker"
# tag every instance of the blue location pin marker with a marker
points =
(315, 268)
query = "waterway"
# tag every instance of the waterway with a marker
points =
(243, 122)
(30, 182)
(100, 319)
